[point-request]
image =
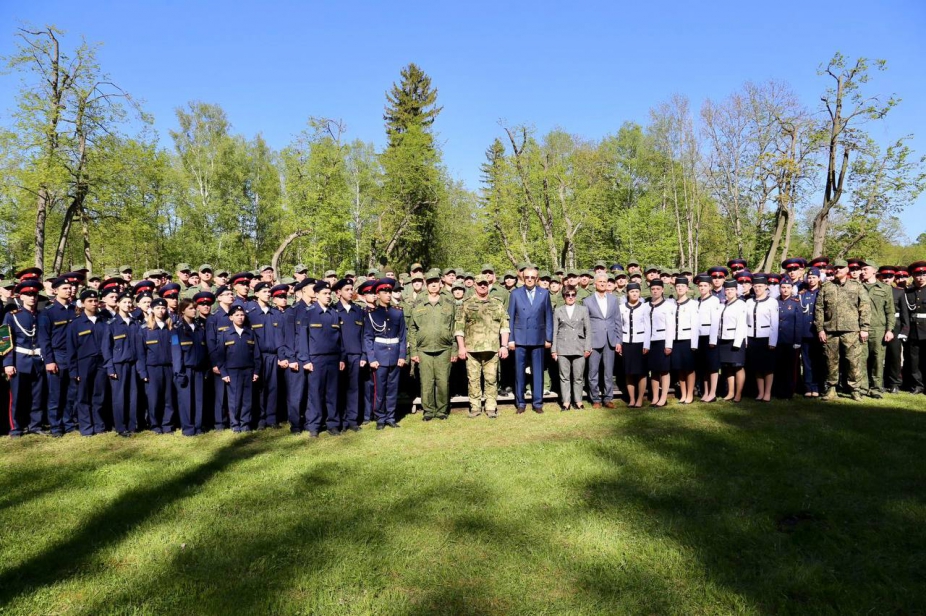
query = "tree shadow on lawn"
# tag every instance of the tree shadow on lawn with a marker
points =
(803, 509)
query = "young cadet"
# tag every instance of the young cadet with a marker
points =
(326, 359)
(708, 356)
(662, 337)
(23, 365)
(155, 366)
(367, 292)
(894, 350)
(217, 323)
(85, 343)
(120, 361)
(297, 379)
(790, 327)
(762, 337)
(241, 284)
(239, 364)
(687, 327)
(109, 290)
(385, 345)
(635, 344)
(190, 364)
(352, 339)
(52, 332)
(718, 275)
(812, 357)
(732, 341)
(170, 292)
(267, 325)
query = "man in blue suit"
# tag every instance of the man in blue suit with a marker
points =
(531, 319)
(607, 330)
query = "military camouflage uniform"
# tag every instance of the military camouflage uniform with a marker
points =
(842, 311)
(431, 339)
(481, 322)
(882, 321)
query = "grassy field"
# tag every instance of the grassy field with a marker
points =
(798, 508)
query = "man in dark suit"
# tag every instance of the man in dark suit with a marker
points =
(531, 320)
(607, 332)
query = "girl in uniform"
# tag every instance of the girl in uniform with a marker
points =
(662, 337)
(121, 363)
(686, 340)
(190, 363)
(155, 366)
(732, 338)
(762, 331)
(708, 355)
(635, 344)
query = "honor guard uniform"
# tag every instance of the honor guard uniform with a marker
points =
(86, 335)
(190, 363)
(239, 364)
(267, 325)
(718, 275)
(155, 367)
(385, 344)
(297, 379)
(217, 323)
(790, 339)
(761, 331)
(915, 299)
(24, 365)
(352, 318)
(881, 298)
(53, 323)
(812, 357)
(901, 331)
(325, 356)
(120, 362)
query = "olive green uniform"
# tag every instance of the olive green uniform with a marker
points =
(881, 298)
(481, 322)
(431, 340)
(842, 311)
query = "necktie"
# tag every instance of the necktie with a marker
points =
(530, 297)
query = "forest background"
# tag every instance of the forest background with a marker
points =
(89, 178)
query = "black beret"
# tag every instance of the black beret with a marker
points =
(633, 286)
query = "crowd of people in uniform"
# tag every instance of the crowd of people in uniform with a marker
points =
(210, 350)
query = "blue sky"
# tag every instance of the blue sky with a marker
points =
(583, 66)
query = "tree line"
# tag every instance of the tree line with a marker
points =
(86, 182)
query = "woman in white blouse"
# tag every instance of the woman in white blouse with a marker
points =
(708, 355)
(635, 344)
(732, 340)
(762, 332)
(662, 337)
(686, 340)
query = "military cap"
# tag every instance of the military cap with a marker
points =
(222, 290)
(633, 286)
(509, 274)
(160, 273)
(760, 279)
(729, 284)
(620, 274)
(917, 267)
(632, 262)
(840, 263)
(855, 262)
(160, 301)
(330, 274)
(433, 274)
(415, 267)
(681, 280)
(111, 272)
(302, 284)
(888, 270)
(287, 280)
(458, 285)
(600, 264)
(486, 267)
(870, 263)
(559, 271)
(264, 268)
(235, 308)
(737, 264)
(901, 271)
(94, 277)
(588, 274)
(702, 278)
(743, 275)
(636, 275)
(372, 273)
(482, 279)
(793, 263)
(28, 287)
(241, 278)
(450, 270)
(125, 268)
(616, 267)
(144, 285)
(89, 294)
(818, 261)
(112, 282)
(572, 273)
(368, 286)
(384, 284)
(205, 267)
(184, 267)
(656, 283)
(171, 289)
(418, 276)
(279, 290)
(204, 297)
(75, 277)
(350, 274)
(543, 274)
(773, 278)
(60, 280)
(651, 268)
(260, 286)
(717, 269)
(340, 284)
(523, 265)
(300, 268)
(397, 287)
(814, 271)
(468, 275)
(784, 281)
(126, 295)
(29, 272)
(321, 285)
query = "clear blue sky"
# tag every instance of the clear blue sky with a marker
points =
(583, 66)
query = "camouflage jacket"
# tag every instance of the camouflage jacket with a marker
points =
(481, 322)
(842, 307)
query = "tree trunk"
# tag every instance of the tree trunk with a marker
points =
(40, 217)
(85, 230)
(289, 239)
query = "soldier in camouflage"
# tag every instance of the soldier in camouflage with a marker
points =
(842, 318)
(881, 298)
(482, 332)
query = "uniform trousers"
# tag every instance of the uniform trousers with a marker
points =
(850, 346)
(600, 378)
(872, 361)
(482, 366)
(813, 361)
(528, 356)
(786, 373)
(240, 396)
(91, 393)
(190, 400)
(349, 395)
(892, 362)
(385, 393)
(435, 382)
(267, 390)
(125, 393)
(323, 393)
(26, 399)
(297, 386)
(572, 378)
(62, 391)
(160, 399)
(219, 402)
(916, 359)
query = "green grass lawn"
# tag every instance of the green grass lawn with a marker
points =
(794, 507)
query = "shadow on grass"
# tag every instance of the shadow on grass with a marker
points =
(803, 509)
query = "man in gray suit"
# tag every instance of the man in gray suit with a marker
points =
(607, 332)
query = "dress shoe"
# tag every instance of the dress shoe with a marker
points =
(893, 390)
(521, 410)
(393, 424)
(596, 405)
(366, 421)
(57, 435)
(354, 428)
(442, 417)
(916, 390)
(492, 415)
(40, 432)
(539, 410)
(313, 434)
(125, 434)
(874, 393)
(334, 432)
(380, 426)
(473, 414)
(609, 405)
(426, 418)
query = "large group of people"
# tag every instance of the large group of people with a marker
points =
(205, 349)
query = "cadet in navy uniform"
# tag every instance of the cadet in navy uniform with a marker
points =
(52, 332)
(190, 363)
(239, 363)
(241, 284)
(120, 361)
(86, 335)
(217, 323)
(367, 292)
(171, 294)
(23, 365)
(296, 378)
(155, 366)
(812, 358)
(267, 326)
(326, 360)
(790, 338)
(352, 318)
(386, 346)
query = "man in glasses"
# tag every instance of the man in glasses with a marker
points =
(531, 316)
(894, 349)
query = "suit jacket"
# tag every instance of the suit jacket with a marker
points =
(531, 324)
(571, 336)
(607, 331)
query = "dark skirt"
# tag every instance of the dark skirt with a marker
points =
(682, 356)
(759, 359)
(730, 357)
(708, 357)
(634, 360)
(657, 360)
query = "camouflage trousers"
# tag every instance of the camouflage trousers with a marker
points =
(872, 362)
(851, 347)
(482, 365)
